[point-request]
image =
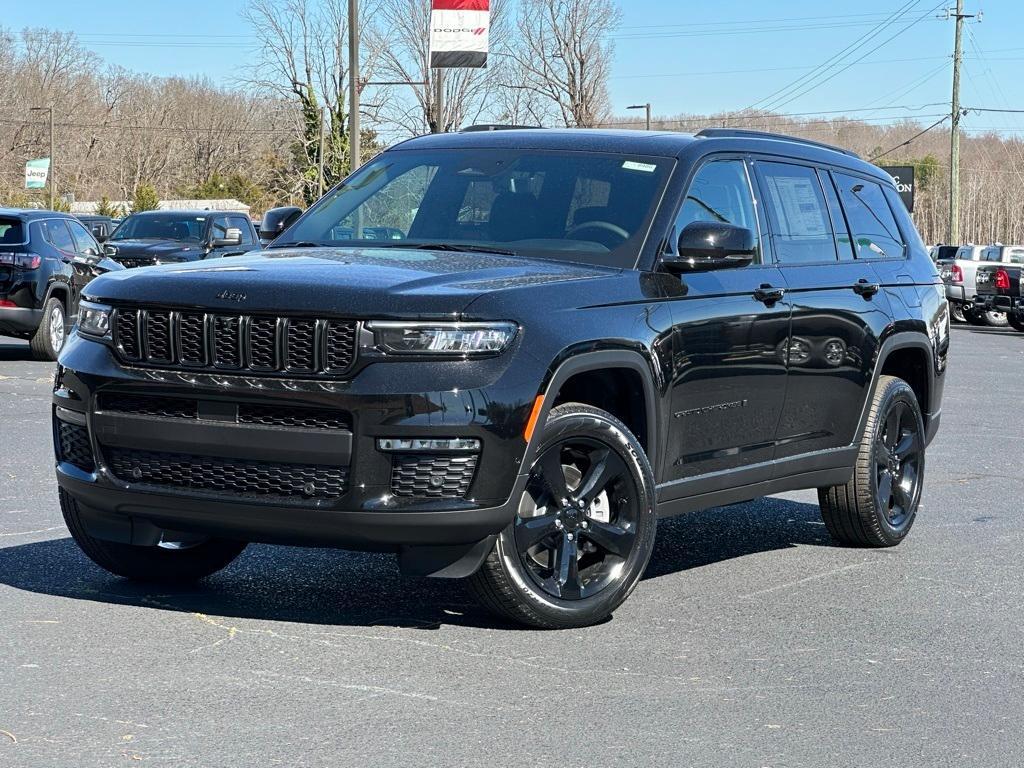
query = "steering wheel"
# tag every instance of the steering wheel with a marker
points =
(604, 227)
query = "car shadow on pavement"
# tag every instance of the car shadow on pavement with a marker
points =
(332, 587)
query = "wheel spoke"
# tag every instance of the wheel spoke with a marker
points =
(531, 531)
(904, 490)
(605, 466)
(553, 475)
(908, 444)
(884, 489)
(882, 453)
(567, 570)
(892, 426)
(610, 537)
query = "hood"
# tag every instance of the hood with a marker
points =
(354, 282)
(156, 250)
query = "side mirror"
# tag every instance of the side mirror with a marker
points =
(232, 237)
(86, 258)
(705, 246)
(277, 220)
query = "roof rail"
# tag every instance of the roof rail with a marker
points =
(715, 133)
(495, 127)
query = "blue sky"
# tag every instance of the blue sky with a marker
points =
(680, 55)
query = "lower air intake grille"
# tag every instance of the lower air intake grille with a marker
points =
(237, 477)
(74, 445)
(434, 476)
(149, 405)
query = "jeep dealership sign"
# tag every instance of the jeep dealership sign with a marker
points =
(459, 33)
(903, 175)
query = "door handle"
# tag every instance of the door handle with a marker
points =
(866, 289)
(769, 294)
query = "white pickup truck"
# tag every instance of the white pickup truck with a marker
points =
(959, 269)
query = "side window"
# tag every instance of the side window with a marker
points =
(844, 243)
(720, 192)
(874, 227)
(59, 235)
(801, 228)
(83, 240)
(1015, 256)
(242, 224)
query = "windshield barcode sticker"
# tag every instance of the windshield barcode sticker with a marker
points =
(629, 165)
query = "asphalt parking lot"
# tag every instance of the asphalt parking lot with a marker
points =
(752, 641)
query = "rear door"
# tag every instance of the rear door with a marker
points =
(839, 310)
(87, 248)
(729, 340)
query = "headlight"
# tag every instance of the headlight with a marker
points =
(471, 339)
(93, 319)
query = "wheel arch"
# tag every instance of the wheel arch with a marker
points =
(61, 291)
(909, 356)
(593, 378)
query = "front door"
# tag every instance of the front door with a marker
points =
(838, 308)
(730, 333)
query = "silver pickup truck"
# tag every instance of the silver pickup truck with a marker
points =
(959, 270)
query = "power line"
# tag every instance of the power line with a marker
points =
(902, 144)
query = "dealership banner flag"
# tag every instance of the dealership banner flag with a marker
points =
(36, 172)
(459, 33)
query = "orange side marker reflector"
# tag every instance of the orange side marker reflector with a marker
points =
(531, 423)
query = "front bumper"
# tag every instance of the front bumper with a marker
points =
(371, 513)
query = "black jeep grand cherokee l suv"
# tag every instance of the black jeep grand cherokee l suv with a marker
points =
(580, 331)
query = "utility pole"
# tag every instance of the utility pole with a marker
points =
(354, 150)
(51, 173)
(439, 99)
(320, 158)
(647, 109)
(956, 113)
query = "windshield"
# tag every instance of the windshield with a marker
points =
(163, 226)
(572, 206)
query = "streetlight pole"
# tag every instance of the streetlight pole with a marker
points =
(647, 109)
(51, 175)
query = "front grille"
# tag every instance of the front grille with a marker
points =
(308, 418)
(434, 476)
(150, 405)
(242, 343)
(74, 445)
(237, 477)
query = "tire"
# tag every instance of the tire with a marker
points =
(1016, 321)
(613, 526)
(956, 312)
(150, 564)
(993, 319)
(856, 513)
(49, 337)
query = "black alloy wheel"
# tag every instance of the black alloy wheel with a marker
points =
(584, 529)
(578, 520)
(898, 453)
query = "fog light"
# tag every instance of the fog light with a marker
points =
(416, 444)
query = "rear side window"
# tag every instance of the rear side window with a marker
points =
(11, 232)
(59, 236)
(801, 228)
(1015, 255)
(874, 229)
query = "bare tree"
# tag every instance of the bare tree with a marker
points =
(564, 55)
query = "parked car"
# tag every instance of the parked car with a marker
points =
(958, 267)
(626, 325)
(165, 237)
(46, 259)
(999, 288)
(100, 226)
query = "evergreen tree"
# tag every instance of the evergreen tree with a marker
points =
(146, 199)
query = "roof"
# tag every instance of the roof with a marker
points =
(182, 212)
(651, 143)
(228, 204)
(32, 214)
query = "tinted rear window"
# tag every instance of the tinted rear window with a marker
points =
(946, 252)
(11, 232)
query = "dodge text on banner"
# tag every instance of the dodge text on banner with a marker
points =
(459, 33)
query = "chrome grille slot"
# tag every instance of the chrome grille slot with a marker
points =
(301, 346)
(127, 331)
(341, 345)
(227, 342)
(192, 338)
(263, 343)
(158, 337)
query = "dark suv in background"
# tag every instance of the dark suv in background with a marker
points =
(578, 332)
(170, 237)
(46, 259)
